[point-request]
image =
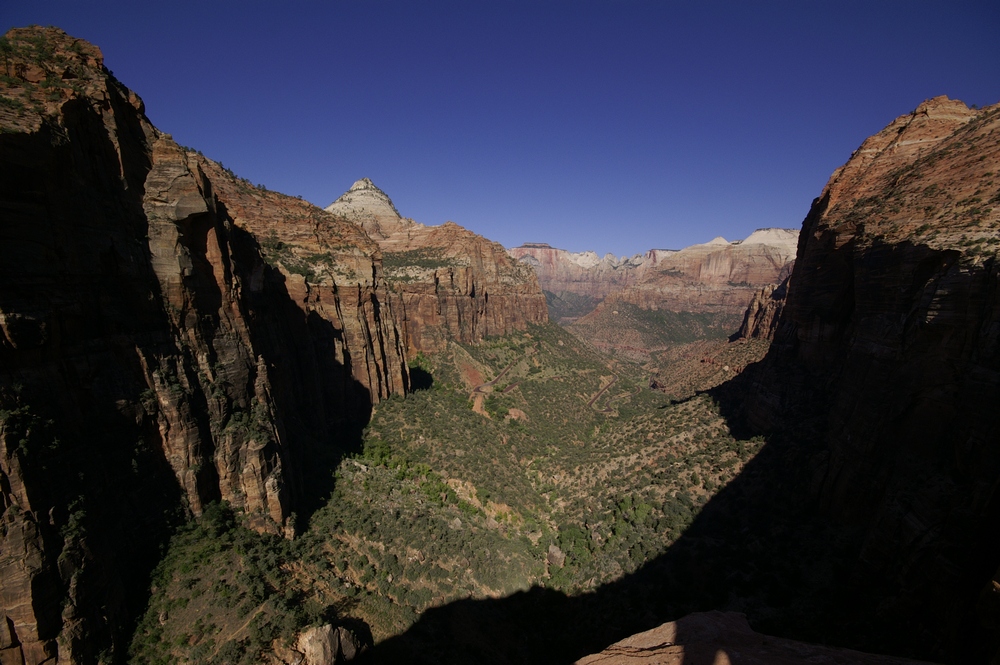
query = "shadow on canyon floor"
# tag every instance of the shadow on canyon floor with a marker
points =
(759, 547)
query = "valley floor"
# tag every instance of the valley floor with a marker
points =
(528, 464)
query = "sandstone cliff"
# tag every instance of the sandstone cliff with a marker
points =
(581, 273)
(448, 282)
(885, 366)
(763, 312)
(717, 277)
(169, 336)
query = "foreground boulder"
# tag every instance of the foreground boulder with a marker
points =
(724, 638)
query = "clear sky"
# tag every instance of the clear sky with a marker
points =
(616, 126)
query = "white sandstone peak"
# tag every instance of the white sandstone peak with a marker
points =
(773, 236)
(369, 207)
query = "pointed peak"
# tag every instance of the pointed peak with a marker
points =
(368, 206)
(364, 183)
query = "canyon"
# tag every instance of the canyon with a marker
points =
(168, 325)
(639, 307)
(343, 431)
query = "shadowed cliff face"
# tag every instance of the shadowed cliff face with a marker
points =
(887, 352)
(154, 356)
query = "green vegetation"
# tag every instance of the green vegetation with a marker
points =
(310, 266)
(427, 257)
(399, 266)
(634, 333)
(568, 305)
(23, 87)
(222, 595)
(527, 461)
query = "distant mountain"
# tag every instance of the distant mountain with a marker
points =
(644, 303)
(690, 279)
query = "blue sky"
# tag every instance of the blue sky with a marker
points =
(615, 126)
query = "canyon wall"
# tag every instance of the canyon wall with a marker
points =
(169, 336)
(447, 282)
(761, 317)
(582, 273)
(886, 365)
(717, 277)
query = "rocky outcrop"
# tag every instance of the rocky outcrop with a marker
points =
(722, 638)
(761, 317)
(448, 282)
(886, 364)
(169, 336)
(319, 645)
(369, 207)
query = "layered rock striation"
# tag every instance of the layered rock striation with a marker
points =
(169, 336)
(886, 366)
(717, 277)
(582, 273)
(448, 282)
(657, 277)
(763, 312)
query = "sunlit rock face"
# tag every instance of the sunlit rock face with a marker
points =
(447, 282)
(170, 335)
(717, 276)
(886, 359)
(369, 207)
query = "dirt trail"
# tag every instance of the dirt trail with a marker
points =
(598, 396)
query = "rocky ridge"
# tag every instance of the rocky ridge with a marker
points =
(717, 276)
(583, 273)
(169, 336)
(763, 312)
(447, 282)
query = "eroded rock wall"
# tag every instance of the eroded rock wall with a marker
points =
(169, 336)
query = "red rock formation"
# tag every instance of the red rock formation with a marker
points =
(724, 638)
(450, 283)
(886, 360)
(169, 336)
(762, 315)
(717, 276)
